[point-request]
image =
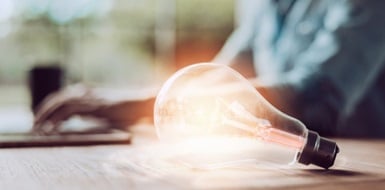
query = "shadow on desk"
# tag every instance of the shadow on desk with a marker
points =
(335, 172)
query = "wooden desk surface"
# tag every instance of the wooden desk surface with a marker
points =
(360, 165)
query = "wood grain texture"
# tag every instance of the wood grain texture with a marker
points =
(360, 165)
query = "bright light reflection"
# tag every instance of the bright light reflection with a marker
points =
(213, 152)
(6, 10)
(217, 152)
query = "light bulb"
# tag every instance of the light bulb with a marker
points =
(208, 100)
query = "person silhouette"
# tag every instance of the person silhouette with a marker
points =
(319, 61)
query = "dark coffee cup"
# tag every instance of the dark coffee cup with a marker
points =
(44, 80)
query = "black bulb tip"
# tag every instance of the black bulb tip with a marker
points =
(319, 151)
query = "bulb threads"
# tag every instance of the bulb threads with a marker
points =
(319, 151)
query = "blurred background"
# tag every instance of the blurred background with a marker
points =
(115, 43)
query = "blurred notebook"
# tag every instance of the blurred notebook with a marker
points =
(15, 127)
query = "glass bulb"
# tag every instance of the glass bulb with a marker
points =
(208, 100)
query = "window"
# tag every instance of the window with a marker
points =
(106, 42)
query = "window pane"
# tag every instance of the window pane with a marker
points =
(106, 42)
